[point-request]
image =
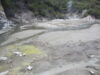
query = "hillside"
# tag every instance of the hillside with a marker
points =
(51, 8)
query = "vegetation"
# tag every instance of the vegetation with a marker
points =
(93, 6)
(48, 8)
(53, 8)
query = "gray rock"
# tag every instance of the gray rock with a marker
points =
(3, 58)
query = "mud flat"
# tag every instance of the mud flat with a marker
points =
(62, 37)
(43, 52)
(18, 36)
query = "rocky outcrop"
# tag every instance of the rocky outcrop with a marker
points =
(16, 11)
(6, 26)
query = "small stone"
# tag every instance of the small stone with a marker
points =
(92, 56)
(18, 53)
(3, 58)
(92, 72)
(29, 68)
(4, 73)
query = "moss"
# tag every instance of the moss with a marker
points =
(27, 49)
(20, 66)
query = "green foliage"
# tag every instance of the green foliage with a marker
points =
(55, 8)
(93, 6)
(48, 8)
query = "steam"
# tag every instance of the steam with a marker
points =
(69, 6)
(72, 13)
(70, 9)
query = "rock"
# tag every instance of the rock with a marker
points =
(4, 73)
(29, 68)
(18, 54)
(94, 72)
(94, 56)
(3, 58)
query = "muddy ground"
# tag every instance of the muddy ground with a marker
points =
(39, 52)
